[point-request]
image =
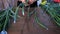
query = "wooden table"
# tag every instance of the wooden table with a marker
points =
(32, 27)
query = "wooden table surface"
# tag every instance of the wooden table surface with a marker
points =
(25, 26)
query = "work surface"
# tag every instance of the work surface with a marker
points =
(25, 26)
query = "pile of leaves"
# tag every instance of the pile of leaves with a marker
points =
(6, 15)
(53, 9)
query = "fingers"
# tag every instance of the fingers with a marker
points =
(31, 1)
(22, 1)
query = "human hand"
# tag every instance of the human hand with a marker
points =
(29, 1)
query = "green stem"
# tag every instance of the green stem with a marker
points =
(15, 15)
(7, 17)
(23, 11)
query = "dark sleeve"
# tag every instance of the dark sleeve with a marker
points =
(19, 2)
(34, 4)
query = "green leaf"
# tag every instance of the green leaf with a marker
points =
(23, 11)
(38, 21)
(7, 18)
(15, 15)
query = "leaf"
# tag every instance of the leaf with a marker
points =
(38, 21)
(15, 15)
(7, 18)
(53, 10)
(23, 11)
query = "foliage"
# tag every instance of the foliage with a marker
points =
(54, 11)
(51, 8)
(6, 15)
(39, 22)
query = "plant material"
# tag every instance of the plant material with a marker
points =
(23, 11)
(53, 10)
(5, 17)
(22, 5)
(39, 22)
(44, 2)
(27, 1)
(15, 15)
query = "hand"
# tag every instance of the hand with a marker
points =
(30, 1)
(23, 1)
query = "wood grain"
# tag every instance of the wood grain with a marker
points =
(31, 27)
